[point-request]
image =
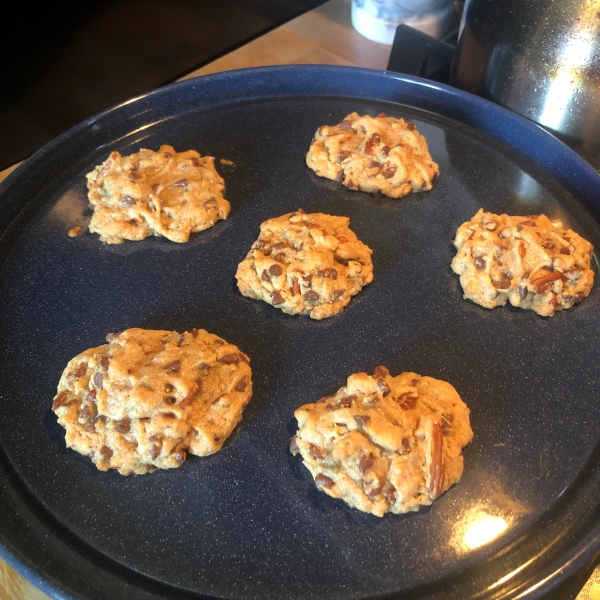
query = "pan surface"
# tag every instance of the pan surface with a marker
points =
(248, 522)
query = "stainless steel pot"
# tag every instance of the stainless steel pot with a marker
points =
(540, 58)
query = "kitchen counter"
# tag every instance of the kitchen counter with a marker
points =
(321, 36)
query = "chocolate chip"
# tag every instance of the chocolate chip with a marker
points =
(311, 296)
(522, 290)
(385, 150)
(133, 176)
(174, 366)
(240, 386)
(155, 187)
(196, 161)
(375, 491)
(343, 155)
(324, 481)
(479, 263)
(91, 396)
(275, 270)
(106, 452)
(84, 412)
(389, 172)
(405, 443)
(276, 298)
(104, 362)
(565, 250)
(345, 125)
(375, 138)
(194, 333)
(410, 126)
(337, 294)
(374, 165)
(123, 425)
(347, 401)
(369, 146)
(180, 183)
(155, 451)
(362, 420)
(265, 276)
(408, 400)
(210, 203)
(167, 154)
(179, 456)
(169, 400)
(230, 359)
(340, 176)
(127, 200)
(98, 380)
(384, 387)
(308, 279)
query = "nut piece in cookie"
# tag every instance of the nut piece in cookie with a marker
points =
(309, 264)
(380, 155)
(528, 261)
(385, 444)
(164, 193)
(147, 398)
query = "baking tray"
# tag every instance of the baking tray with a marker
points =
(248, 522)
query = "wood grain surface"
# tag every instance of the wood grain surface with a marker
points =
(321, 36)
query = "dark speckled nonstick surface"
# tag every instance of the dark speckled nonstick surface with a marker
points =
(248, 522)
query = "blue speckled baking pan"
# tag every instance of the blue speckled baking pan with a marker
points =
(248, 522)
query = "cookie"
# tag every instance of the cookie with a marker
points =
(531, 262)
(148, 397)
(309, 264)
(385, 444)
(164, 193)
(380, 155)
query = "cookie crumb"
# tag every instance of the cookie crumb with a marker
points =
(74, 232)
(224, 161)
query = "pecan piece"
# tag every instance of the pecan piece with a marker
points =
(316, 452)
(381, 371)
(365, 463)
(295, 287)
(543, 283)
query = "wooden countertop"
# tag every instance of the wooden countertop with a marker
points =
(321, 36)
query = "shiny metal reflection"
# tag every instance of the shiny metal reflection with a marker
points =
(540, 58)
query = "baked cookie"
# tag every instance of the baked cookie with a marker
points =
(166, 193)
(381, 155)
(310, 264)
(141, 401)
(529, 261)
(384, 443)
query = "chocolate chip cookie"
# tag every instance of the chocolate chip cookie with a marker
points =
(147, 397)
(385, 444)
(164, 193)
(309, 264)
(381, 155)
(530, 261)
